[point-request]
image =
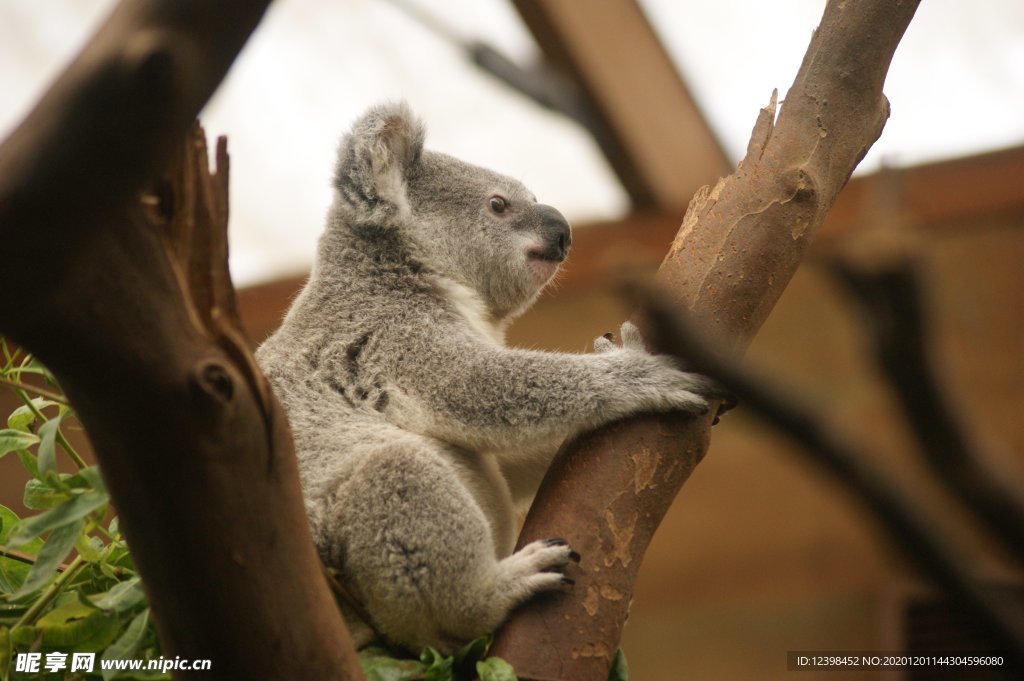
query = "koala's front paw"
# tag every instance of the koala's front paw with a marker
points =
(661, 385)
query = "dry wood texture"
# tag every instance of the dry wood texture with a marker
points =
(738, 246)
(133, 311)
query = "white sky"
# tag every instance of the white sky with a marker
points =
(956, 85)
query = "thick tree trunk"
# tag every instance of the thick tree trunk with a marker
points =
(738, 246)
(135, 318)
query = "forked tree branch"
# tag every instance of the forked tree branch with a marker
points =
(738, 246)
(133, 311)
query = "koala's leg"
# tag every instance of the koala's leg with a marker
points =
(417, 549)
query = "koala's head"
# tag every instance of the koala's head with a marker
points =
(480, 228)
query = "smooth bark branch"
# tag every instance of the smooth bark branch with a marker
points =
(132, 309)
(739, 245)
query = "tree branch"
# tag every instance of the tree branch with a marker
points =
(738, 246)
(885, 281)
(139, 328)
(908, 528)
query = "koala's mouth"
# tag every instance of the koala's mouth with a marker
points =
(542, 264)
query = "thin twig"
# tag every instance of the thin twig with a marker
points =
(51, 592)
(42, 392)
(907, 528)
(23, 557)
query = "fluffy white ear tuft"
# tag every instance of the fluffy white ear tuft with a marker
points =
(374, 161)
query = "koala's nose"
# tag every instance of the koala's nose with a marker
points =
(555, 231)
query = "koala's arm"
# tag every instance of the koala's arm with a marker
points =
(487, 397)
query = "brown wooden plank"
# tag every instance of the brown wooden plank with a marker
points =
(658, 141)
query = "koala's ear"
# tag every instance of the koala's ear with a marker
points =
(375, 158)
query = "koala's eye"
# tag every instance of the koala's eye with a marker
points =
(498, 204)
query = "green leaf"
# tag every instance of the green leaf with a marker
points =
(23, 636)
(13, 572)
(74, 509)
(128, 644)
(122, 596)
(495, 669)
(379, 664)
(77, 626)
(48, 443)
(91, 477)
(619, 670)
(41, 495)
(22, 417)
(439, 667)
(88, 547)
(29, 462)
(12, 440)
(472, 651)
(58, 545)
(5, 652)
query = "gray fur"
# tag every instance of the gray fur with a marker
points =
(418, 431)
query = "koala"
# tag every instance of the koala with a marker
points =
(418, 432)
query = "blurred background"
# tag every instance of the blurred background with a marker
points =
(616, 111)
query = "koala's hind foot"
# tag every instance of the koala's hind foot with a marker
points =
(536, 567)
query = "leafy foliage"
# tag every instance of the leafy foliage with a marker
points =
(381, 663)
(48, 603)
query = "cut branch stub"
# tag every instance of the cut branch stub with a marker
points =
(738, 247)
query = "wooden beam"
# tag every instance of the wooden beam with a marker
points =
(650, 128)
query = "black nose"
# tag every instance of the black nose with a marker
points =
(555, 231)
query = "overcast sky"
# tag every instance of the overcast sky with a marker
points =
(956, 85)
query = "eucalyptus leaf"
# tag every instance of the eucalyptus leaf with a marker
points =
(77, 626)
(439, 667)
(23, 636)
(13, 572)
(40, 495)
(5, 652)
(13, 440)
(495, 669)
(619, 670)
(29, 462)
(22, 417)
(379, 664)
(48, 443)
(12, 575)
(88, 547)
(58, 545)
(122, 596)
(92, 478)
(72, 510)
(127, 645)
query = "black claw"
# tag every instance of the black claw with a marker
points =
(574, 556)
(608, 336)
(556, 541)
(568, 581)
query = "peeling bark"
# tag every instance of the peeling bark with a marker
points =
(738, 247)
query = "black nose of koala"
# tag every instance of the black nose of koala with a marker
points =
(555, 231)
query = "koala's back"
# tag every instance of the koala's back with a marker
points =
(398, 512)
